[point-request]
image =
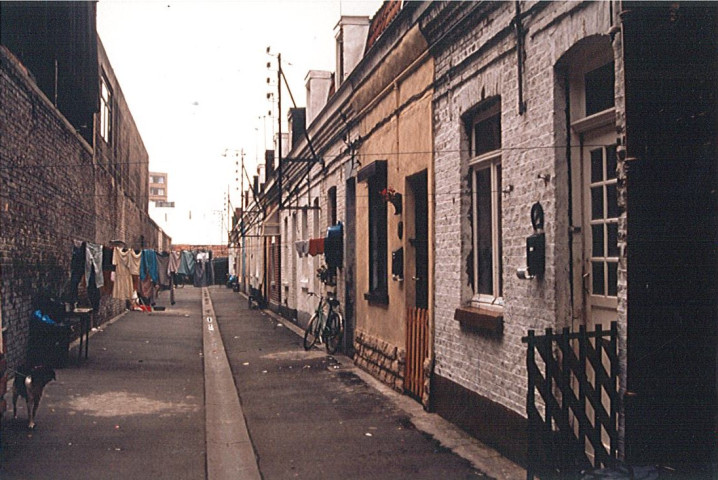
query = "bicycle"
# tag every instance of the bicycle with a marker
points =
(327, 328)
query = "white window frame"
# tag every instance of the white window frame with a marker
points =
(492, 161)
(304, 263)
(105, 110)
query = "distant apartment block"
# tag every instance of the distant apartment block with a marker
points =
(158, 187)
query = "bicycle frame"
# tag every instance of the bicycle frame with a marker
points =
(318, 328)
(320, 314)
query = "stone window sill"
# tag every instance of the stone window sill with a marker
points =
(482, 319)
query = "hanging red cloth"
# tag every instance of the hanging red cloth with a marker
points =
(316, 246)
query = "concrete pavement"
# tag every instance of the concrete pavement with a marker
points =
(134, 409)
(163, 396)
(313, 415)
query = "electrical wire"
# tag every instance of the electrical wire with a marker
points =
(4, 166)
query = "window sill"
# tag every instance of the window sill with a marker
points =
(377, 298)
(491, 321)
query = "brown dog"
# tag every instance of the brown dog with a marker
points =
(30, 387)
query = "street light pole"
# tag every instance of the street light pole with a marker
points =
(279, 126)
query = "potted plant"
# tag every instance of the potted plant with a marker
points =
(392, 196)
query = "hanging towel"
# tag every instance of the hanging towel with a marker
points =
(163, 260)
(123, 287)
(134, 261)
(316, 246)
(174, 262)
(302, 247)
(186, 264)
(148, 265)
(200, 279)
(93, 263)
(108, 270)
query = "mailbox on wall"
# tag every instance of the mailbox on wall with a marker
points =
(536, 254)
(535, 247)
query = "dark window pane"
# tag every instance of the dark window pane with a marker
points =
(596, 165)
(612, 279)
(377, 234)
(612, 200)
(612, 239)
(597, 237)
(596, 203)
(611, 161)
(332, 205)
(597, 275)
(487, 135)
(599, 89)
(483, 231)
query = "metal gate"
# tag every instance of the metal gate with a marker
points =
(417, 351)
(573, 424)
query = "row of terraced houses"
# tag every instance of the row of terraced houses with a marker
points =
(499, 169)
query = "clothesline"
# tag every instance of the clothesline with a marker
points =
(330, 246)
(134, 275)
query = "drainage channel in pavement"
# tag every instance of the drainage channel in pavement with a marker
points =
(230, 454)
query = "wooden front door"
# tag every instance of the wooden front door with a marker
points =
(596, 238)
(417, 371)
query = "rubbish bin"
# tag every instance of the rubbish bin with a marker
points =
(49, 343)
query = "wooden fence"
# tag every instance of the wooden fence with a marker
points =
(576, 377)
(417, 351)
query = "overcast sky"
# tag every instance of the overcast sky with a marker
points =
(194, 74)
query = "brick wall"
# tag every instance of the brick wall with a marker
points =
(52, 192)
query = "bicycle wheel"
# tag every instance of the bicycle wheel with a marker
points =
(311, 334)
(333, 332)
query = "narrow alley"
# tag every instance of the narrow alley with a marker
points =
(136, 408)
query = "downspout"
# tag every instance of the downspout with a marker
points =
(518, 24)
(571, 228)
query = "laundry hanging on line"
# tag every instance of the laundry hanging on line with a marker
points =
(302, 247)
(316, 246)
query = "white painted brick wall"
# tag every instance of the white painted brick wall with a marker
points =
(495, 367)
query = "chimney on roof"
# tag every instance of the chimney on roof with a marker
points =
(262, 174)
(318, 84)
(269, 162)
(351, 34)
(297, 125)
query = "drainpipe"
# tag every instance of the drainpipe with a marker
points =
(520, 32)
(571, 228)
